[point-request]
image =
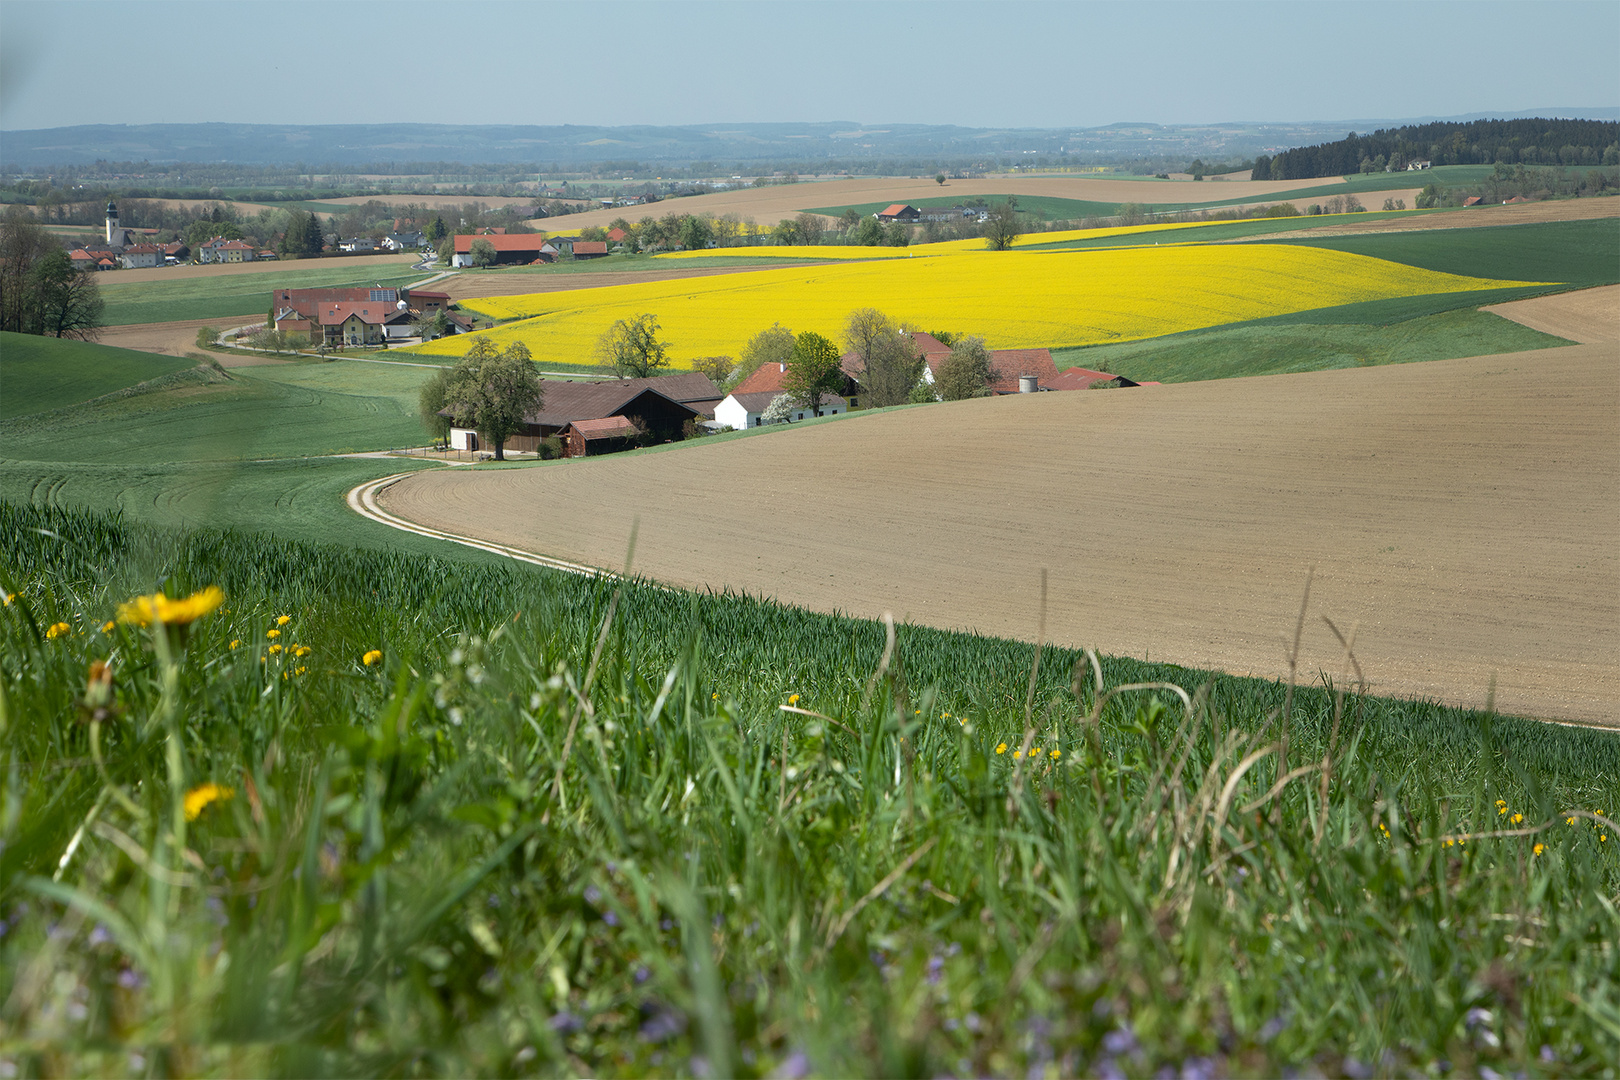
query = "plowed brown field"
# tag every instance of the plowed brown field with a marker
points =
(1475, 217)
(1589, 315)
(768, 205)
(1463, 514)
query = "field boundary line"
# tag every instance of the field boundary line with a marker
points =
(362, 499)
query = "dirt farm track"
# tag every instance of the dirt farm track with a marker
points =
(1464, 515)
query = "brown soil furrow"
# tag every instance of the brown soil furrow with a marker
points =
(1464, 515)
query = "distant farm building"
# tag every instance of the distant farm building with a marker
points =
(899, 212)
(660, 408)
(360, 316)
(511, 249)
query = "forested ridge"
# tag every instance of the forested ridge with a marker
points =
(1478, 142)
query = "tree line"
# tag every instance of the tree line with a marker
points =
(1478, 142)
(40, 291)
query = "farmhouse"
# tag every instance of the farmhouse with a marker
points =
(1084, 379)
(662, 406)
(898, 212)
(510, 248)
(357, 316)
(140, 256)
(404, 241)
(1011, 366)
(746, 410)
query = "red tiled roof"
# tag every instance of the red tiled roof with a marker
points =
(336, 314)
(892, 209)
(617, 235)
(1078, 379)
(500, 242)
(233, 245)
(765, 377)
(1009, 364)
(609, 427)
(1472, 200)
(590, 247)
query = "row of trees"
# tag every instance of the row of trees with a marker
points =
(40, 291)
(1479, 142)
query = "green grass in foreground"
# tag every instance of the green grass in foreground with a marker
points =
(296, 410)
(1580, 253)
(41, 373)
(1275, 348)
(565, 829)
(238, 295)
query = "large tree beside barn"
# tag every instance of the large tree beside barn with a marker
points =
(813, 372)
(491, 391)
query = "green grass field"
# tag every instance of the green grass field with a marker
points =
(237, 295)
(301, 410)
(1275, 348)
(1579, 253)
(38, 374)
(1218, 232)
(554, 828)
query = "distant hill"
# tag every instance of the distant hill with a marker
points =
(352, 145)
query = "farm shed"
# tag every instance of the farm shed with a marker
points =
(662, 404)
(899, 212)
(583, 438)
(590, 249)
(1009, 365)
(1084, 378)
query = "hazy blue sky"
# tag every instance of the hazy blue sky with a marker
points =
(673, 62)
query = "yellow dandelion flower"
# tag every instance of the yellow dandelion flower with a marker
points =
(302, 650)
(144, 610)
(1450, 842)
(199, 799)
(283, 620)
(300, 670)
(1603, 838)
(1001, 748)
(793, 699)
(274, 649)
(1017, 754)
(107, 627)
(58, 630)
(1517, 819)
(372, 658)
(236, 643)
(7, 597)
(1538, 849)
(1056, 754)
(1569, 821)
(1501, 807)
(272, 633)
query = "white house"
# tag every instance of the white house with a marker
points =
(739, 411)
(359, 245)
(140, 256)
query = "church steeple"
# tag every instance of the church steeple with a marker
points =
(112, 223)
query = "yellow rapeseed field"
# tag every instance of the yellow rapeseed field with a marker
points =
(1013, 300)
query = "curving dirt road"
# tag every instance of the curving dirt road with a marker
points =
(1463, 514)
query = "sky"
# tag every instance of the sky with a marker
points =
(1004, 63)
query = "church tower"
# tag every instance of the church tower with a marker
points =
(112, 225)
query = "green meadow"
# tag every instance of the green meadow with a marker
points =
(395, 813)
(40, 373)
(227, 296)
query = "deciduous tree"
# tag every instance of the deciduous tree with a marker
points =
(482, 252)
(813, 372)
(967, 372)
(1001, 227)
(769, 346)
(888, 359)
(491, 392)
(66, 302)
(631, 347)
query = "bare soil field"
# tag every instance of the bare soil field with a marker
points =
(768, 205)
(1476, 217)
(1462, 515)
(1587, 315)
(176, 339)
(437, 201)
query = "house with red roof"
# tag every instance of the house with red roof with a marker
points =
(511, 249)
(898, 212)
(141, 256)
